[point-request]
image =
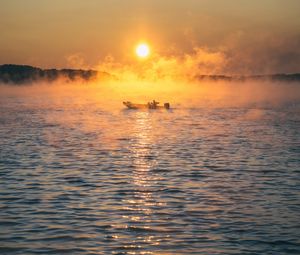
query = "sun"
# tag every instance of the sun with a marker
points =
(142, 50)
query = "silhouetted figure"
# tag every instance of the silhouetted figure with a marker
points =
(154, 104)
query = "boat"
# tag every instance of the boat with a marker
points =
(150, 105)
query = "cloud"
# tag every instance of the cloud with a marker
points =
(77, 60)
(261, 53)
(186, 66)
(240, 53)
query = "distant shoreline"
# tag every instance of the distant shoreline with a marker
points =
(25, 74)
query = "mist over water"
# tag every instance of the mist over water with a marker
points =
(217, 174)
(183, 92)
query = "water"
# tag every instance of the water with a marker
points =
(79, 178)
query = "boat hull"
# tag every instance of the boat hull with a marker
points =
(130, 105)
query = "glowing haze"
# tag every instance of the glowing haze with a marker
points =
(228, 37)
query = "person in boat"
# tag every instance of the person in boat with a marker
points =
(154, 104)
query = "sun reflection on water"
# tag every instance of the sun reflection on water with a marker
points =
(143, 204)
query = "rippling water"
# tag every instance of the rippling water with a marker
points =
(81, 179)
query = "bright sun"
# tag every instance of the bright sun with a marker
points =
(142, 50)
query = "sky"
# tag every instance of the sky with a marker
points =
(219, 36)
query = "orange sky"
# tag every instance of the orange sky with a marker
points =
(253, 36)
